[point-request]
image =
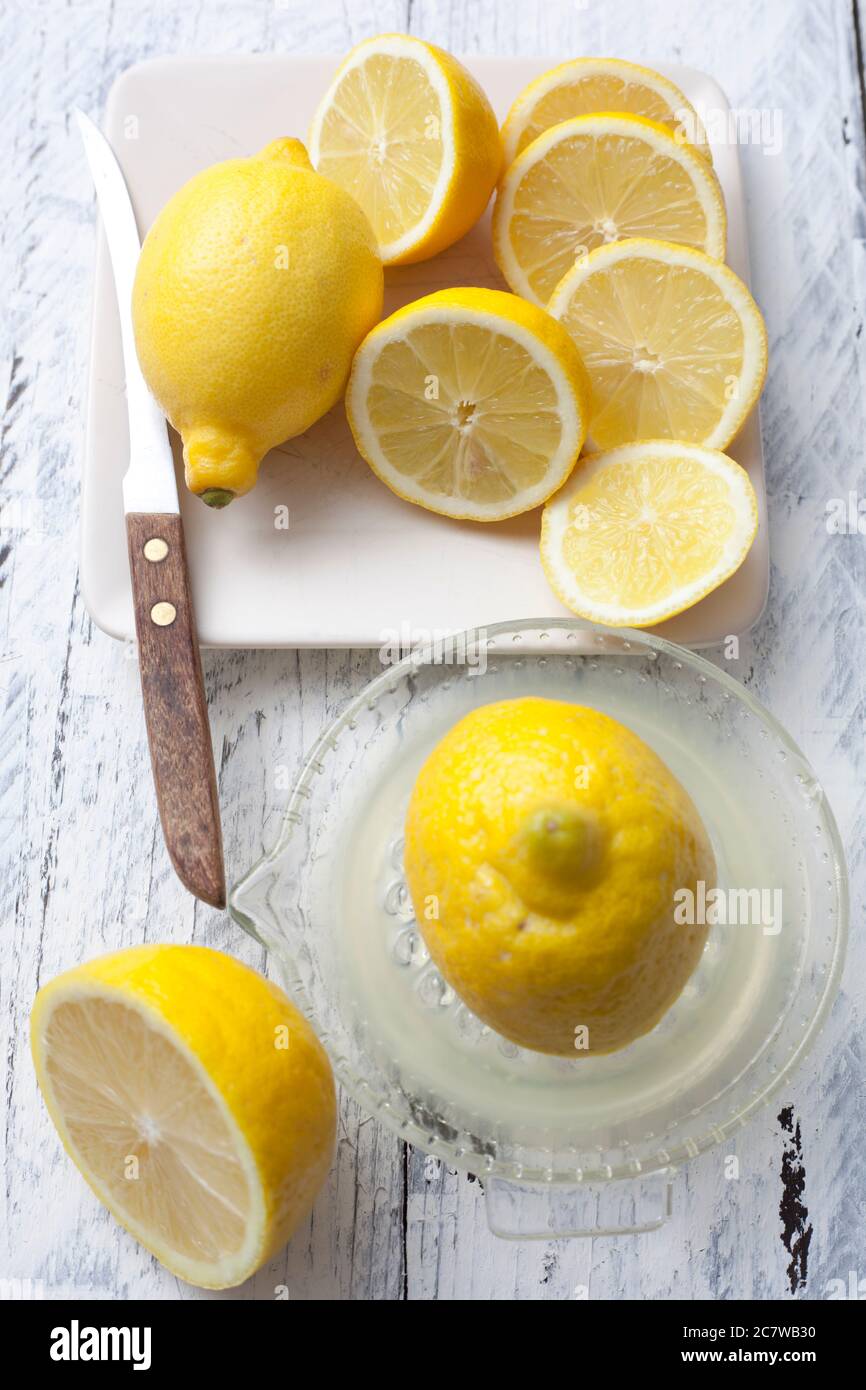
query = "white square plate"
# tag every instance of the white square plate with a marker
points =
(356, 565)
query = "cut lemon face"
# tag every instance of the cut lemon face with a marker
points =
(673, 341)
(641, 533)
(194, 1099)
(586, 86)
(469, 402)
(410, 134)
(594, 180)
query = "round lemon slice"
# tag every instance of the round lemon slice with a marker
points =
(195, 1100)
(469, 402)
(673, 341)
(585, 86)
(409, 133)
(598, 179)
(642, 532)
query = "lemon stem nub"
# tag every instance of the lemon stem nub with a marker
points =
(216, 497)
(561, 845)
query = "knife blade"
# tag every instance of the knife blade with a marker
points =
(175, 707)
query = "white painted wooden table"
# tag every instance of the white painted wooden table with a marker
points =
(82, 862)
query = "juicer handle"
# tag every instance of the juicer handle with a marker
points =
(557, 1211)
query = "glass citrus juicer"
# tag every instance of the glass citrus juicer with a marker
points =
(563, 1146)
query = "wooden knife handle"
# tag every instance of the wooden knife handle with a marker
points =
(175, 708)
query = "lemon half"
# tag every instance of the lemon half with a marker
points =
(410, 134)
(644, 531)
(597, 179)
(193, 1097)
(673, 341)
(469, 402)
(544, 845)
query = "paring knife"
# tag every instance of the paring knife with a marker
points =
(175, 709)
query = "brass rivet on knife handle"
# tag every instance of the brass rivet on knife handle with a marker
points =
(174, 705)
(163, 614)
(155, 549)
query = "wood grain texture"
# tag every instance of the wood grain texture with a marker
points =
(175, 710)
(82, 865)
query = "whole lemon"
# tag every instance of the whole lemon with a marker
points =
(544, 845)
(255, 285)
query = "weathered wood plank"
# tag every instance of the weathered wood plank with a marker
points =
(83, 869)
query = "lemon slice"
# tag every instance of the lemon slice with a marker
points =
(598, 179)
(410, 134)
(644, 531)
(469, 402)
(673, 341)
(585, 86)
(194, 1099)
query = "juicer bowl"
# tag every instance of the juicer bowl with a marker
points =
(563, 1145)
